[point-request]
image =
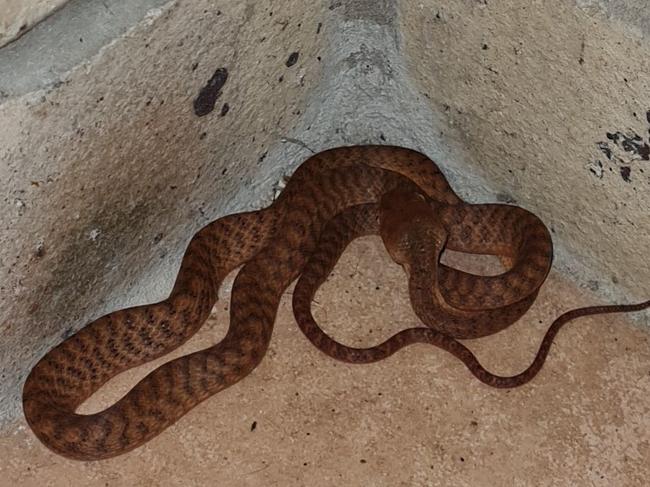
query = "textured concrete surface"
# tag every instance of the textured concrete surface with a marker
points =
(72, 37)
(18, 16)
(108, 169)
(553, 104)
(107, 174)
(418, 418)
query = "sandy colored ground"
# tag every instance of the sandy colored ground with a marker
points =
(417, 419)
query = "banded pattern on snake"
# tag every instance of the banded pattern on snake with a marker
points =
(273, 245)
(417, 243)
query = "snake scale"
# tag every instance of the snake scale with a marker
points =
(273, 245)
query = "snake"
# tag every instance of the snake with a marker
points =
(271, 246)
(415, 231)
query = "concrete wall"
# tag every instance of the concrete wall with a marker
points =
(108, 165)
(18, 16)
(553, 104)
(106, 173)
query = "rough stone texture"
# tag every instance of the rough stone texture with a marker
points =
(417, 419)
(553, 104)
(107, 171)
(106, 175)
(70, 38)
(18, 16)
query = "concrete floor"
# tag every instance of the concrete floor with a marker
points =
(418, 418)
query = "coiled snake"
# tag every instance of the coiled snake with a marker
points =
(416, 243)
(273, 245)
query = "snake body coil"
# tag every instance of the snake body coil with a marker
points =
(273, 245)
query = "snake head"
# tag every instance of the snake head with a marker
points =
(409, 227)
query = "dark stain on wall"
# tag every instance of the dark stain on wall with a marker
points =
(625, 173)
(627, 149)
(293, 59)
(596, 169)
(205, 101)
(604, 147)
(631, 142)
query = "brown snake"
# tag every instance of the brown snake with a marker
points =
(273, 245)
(415, 233)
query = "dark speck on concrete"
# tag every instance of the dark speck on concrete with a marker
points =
(204, 103)
(194, 66)
(647, 116)
(604, 147)
(596, 169)
(631, 142)
(484, 47)
(625, 173)
(224, 109)
(320, 26)
(293, 59)
(254, 425)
